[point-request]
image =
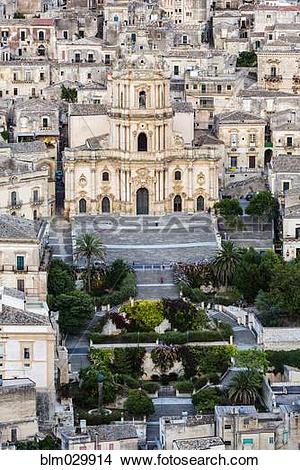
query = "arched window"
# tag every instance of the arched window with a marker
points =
(105, 176)
(105, 205)
(13, 198)
(82, 206)
(41, 36)
(142, 142)
(177, 203)
(200, 204)
(273, 72)
(177, 175)
(41, 51)
(142, 100)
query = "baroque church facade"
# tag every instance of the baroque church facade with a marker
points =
(147, 159)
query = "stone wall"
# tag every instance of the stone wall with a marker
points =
(277, 339)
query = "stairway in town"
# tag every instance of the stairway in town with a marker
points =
(156, 284)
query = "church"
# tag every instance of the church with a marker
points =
(144, 157)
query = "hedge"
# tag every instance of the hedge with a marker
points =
(151, 387)
(170, 337)
(278, 359)
(184, 386)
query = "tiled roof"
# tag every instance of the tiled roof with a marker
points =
(106, 432)
(239, 117)
(286, 164)
(12, 227)
(87, 109)
(14, 316)
(202, 443)
(182, 107)
(25, 147)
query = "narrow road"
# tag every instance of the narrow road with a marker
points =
(243, 338)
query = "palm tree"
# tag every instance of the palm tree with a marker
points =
(225, 263)
(89, 246)
(244, 388)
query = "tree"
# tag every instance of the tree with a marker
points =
(144, 315)
(115, 275)
(61, 278)
(75, 309)
(164, 357)
(200, 361)
(183, 315)
(89, 247)
(284, 288)
(247, 59)
(226, 262)
(244, 388)
(263, 204)
(205, 400)
(68, 94)
(231, 211)
(255, 272)
(253, 359)
(139, 404)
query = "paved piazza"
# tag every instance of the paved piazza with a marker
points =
(152, 240)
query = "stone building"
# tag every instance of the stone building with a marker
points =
(25, 78)
(104, 437)
(175, 428)
(142, 164)
(22, 256)
(28, 347)
(18, 395)
(243, 428)
(202, 443)
(244, 137)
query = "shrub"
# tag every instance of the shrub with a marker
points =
(164, 357)
(204, 360)
(278, 359)
(135, 337)
(184, 386)
(205, 400)
(126, 289)
(151, 387)
(144, 315)
(61, 278)
(75, 309)
(138, 404)
(183, 315)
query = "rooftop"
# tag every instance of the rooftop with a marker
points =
(203, 443)
(239, 117)
(17, 228)
(87, 109)
(235, 410)
(105, 432)
(286, 164)
(17, 383)
(15, 316)
(195, 420)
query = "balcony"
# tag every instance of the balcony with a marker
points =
(15, 204)
(273, 78)
(268, 144)
(37, 201)
(26, 269)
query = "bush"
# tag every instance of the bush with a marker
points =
(183, 315)
(61, 278)
(144, 315)
(205, 360)
(247, 59)
(205, 400)
(184, 386)
(142, 337)
(278, 359)
(151, 387)
(126, 289)
(138, 404)
(98, 419)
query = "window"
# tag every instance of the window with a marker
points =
(13, 435)
(35, 214)
(107, 60)
(133, 37)
(297, 233)
(142, 142)
(270, 37)
(116, 18)
(176, 69)
(273, 71)
(23, 35)
(285, 185)
(105, 176)
(89, 76)
(177, 175)
(15, 91)
(35, 195)
(219, 88)
(1, 351)
(90, 57)
(32, 91)
(77, 57)
(203, 88)
(271, 440)
(289, 141)
(227, 443)
(20, 263)
(65, 34)
(26, 353)
(227, 426)
(111, 447)
(81, 33)
(41, 36)
(42, 76)
(41, 51)
(252, 140)
(177, 203)
(45, 122)
(13, 198)
(233, 162)
(233, 140)
(251, 161)
(228, 87)
(184, 39)
(195, 86)
(247, 442)
(142, 99)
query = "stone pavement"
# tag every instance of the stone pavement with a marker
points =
(148, 240)
(150, 286)
(243, 338)
(60, 239)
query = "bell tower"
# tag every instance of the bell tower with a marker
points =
(141, 113)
